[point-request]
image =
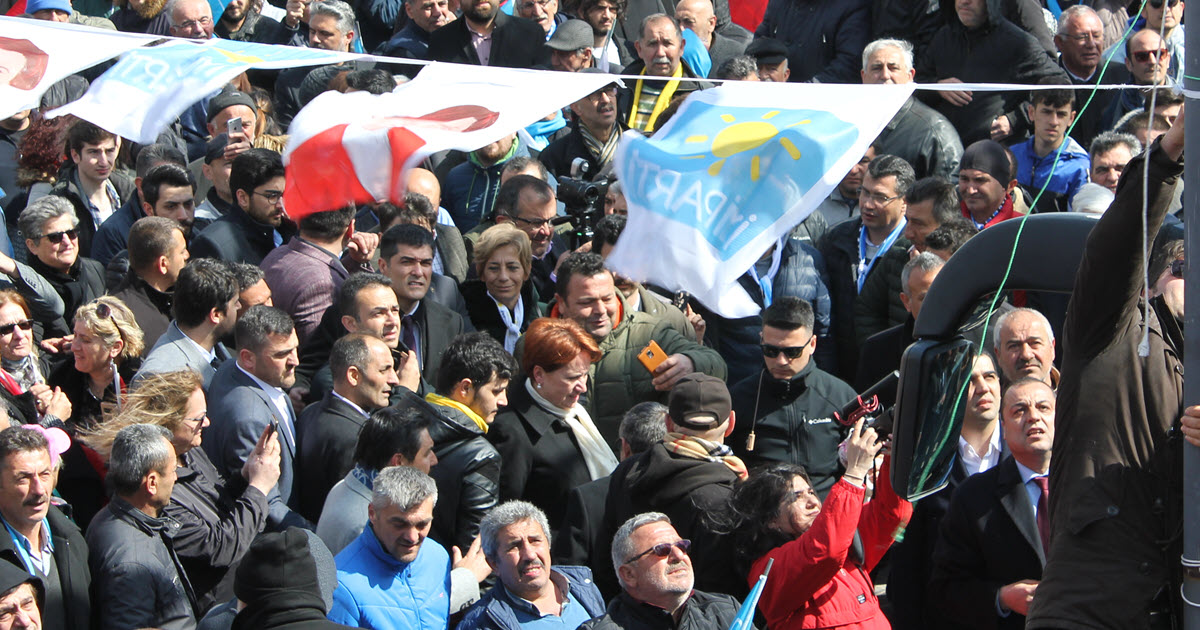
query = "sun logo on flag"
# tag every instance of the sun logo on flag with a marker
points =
(740, 137)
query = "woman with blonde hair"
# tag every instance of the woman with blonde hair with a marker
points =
(501, 301)
(218, 518)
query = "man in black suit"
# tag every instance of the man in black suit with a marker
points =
(990, 553)
(364, 374)
(486, 36)
(881, 352)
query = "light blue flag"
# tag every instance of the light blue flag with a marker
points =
(731, 173)
(745, 616)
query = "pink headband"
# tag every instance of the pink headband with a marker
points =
(58, 439)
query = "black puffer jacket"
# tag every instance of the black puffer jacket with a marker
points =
(701, 610)
(792, 421)
(997, 52)
(825, 39)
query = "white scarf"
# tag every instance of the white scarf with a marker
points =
(597, 455)
(512, 321)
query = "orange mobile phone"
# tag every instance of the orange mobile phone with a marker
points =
(652, 356)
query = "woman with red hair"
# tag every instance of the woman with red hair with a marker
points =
(547, 441)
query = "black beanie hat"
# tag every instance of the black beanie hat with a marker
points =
(990, 157)
(277, 562)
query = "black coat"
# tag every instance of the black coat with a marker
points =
(824, 39)
(81, 284)
(558, 155)
(326, 435)
(578, 539)
(924, 138)
(71, 560)
(700, 611)
(238, 238)
(516, 43)
(988, 538)
(540, 459)
(218, 520)
(151, 308)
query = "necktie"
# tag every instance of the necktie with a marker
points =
(1043, 516)
(408, 334)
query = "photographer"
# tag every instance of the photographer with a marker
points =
(593, 137)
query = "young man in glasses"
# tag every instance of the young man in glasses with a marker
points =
(788, 406)
(259, 224)
(652, 562)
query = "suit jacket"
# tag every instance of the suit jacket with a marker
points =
(74, 575)
(577, 542)
(721, 50)
(516, 43)
(175, 351)
(326, 435)
(988, 538)
(450, 246)
(304, 280)
(240, 411)
(439, 326)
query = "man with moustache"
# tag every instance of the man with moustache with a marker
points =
(530, 592)
(665, 73)
(486, 36)
(1024, 346)
(593, 137)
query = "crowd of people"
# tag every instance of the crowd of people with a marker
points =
(225, 413)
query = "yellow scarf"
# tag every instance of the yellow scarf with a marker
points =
(660, 105)
(434, 399)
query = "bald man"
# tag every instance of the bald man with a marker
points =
(698, 16)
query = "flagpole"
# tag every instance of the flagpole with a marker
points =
(745, 615)
(1191, 327)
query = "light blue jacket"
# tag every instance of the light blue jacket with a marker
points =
(375, 590)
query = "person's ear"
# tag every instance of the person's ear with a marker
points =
(464, 391)
(732, 424)
(628, 576)
(150, 482)
(353, 376)
(243, 199)
(905, 302)
(349, 323)
(162, 265)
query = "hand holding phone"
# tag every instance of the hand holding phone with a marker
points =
(652, 356)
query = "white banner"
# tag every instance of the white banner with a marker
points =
(357, 146)
(35, 55)
(149, 88)
(734, 170)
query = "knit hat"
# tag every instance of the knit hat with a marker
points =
(33, 6)
(12, 576)
(700, 402)
(294, 560)
(229, 98)
(990, 157)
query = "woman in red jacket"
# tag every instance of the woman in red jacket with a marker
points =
(820, 577)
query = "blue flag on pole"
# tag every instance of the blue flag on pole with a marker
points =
(745, 616)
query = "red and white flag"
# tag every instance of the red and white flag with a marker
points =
(356, 147)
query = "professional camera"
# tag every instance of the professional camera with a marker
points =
(868, 404)
(584, 201)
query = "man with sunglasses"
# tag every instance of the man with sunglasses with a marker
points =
(1164, 15)
(52, 235)
(788, 405)
(1148, 61)
(652, 563)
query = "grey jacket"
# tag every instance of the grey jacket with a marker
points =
(175, 351)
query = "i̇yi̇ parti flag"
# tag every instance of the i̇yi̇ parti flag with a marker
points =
(731, 173)
(745, 615)
(356, 147)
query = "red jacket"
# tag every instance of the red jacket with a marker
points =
(814, 584)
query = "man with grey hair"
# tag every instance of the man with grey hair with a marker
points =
(917, 133)
(1109, 153)
(516, 542)
(1080, 43)
(882, 351)
(190, 19)
(660, 56)
(1024, 346)
(331, 26)
(740, 68)
(137, 580)
(391, 576)
(655, 571)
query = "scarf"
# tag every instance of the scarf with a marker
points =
(697, 448)
(540, 131)
(364, 476)
(597, 455)
(660, 104)
(435, 399)
(512, 321)
(25, 371)
(601, 151)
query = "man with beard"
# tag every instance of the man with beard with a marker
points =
(530, 592)
(391, 576)
(259, 224)
(470, 189)
(656, 576)
(241, 22)
(608, 50)
(1024, 346)
(593, 136)
(424, 17)
(142, 16)
(486, 36)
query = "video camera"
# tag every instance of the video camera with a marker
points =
(584, 201)
(868, 404)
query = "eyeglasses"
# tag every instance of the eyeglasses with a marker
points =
(1176, 270)
(1085, 37)
(527, 6)
(57, 237)
(878, 198)
(25, 324)
(198, 419)
(191, 24)
(1143, 56)
(272, 196)
(533, 223)
(662, 550)
(791, 352)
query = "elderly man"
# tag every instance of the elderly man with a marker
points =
(530, 592)
(571, 47)
(22, 599)
(129, 542)
(587, 294)
(424, 17)
(698, 17)
(1024, 346)
(190, 19)
(917, 133)
(991, 549)
(978, 45)
(593, 137)
(52, 233)
(667, 75)
(544, 12)
(655, 571)
(486, 36)
(987, 185)
(1080, 42)
(391, 576)
(364, 375)
(1110, 152)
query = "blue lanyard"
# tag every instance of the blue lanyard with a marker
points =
(864, 265)
(19, 543)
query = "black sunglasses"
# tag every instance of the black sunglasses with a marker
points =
(1157, 4)
(662, 550)
(103, 311)
(25, 324)
(791, 352)
(57, 237)
(1176, 270)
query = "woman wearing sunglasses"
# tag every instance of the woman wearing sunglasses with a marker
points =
(27, 397)
(51, 233)
(218, 518)
(105, 349)
(820, 578)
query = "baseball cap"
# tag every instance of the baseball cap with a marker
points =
(229, 98)
(215, 149)
(699, 401)
(572, 35)
(767, 50)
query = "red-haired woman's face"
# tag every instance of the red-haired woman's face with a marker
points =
(18, 342)
(563, 387)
